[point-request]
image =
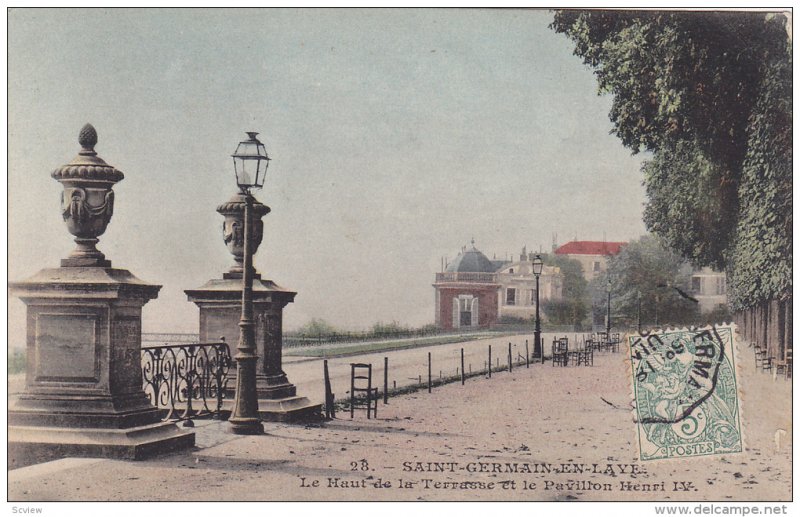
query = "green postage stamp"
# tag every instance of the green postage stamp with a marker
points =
(685, 393)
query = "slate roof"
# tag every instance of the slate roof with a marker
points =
(471, 261)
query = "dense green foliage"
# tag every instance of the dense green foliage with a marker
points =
(316, 327)
(573, 306)
(709, 94)
(760, 259)
(321, 329)
(646, 269)
(685, 205)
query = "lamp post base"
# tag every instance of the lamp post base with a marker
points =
(245, 426)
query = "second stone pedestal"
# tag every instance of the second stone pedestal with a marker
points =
(220, 304)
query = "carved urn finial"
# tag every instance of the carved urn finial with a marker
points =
(87, 201)
(88, 139)
(233, 230)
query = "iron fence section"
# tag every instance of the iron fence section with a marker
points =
(186, 380)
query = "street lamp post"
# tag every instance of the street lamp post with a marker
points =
(608, 309)
(639, 311)
(537, 329)
(250, 163)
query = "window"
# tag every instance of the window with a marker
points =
(511, 296)
(465, 311)
(596, 265)
(720, 285)
(697, 284)
(511, 270)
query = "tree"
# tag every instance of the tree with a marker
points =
(759, 263)
(316, 327)
(573, 306)
(709, 93)
(388, 329)
(646, 270)
(697, 226)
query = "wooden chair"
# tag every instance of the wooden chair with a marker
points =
(615, 342)
(767, 362)
(785, 366)
(602, 340)
(759, 354)
(574, 356)
(560, 352)
(362, 394)
(588, 353)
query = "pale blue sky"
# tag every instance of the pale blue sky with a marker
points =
(396, 137)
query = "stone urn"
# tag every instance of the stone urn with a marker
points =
(233, 230)
(87, 202)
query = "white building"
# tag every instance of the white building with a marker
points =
(709, 288)
(593, 255)
(517, 297)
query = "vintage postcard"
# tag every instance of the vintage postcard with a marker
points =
(400, 255)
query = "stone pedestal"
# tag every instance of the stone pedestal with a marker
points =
(220, 303)
(83, 389)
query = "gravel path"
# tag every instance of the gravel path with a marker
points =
(568, 432)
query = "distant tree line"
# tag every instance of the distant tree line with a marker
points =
(320, 329)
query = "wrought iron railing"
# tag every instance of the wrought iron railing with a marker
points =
(188, 380)
(448, 276)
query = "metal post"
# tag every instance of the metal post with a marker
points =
(244, 418)
(330, 412)
(352, 390)
(639, 311)
(509, 357)
(608, 314)
(385, 380)
(462, 367)
(490, 361)
(191, 372)
(429, 372)
(527, 356)
(537, 329)
(220, 356)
